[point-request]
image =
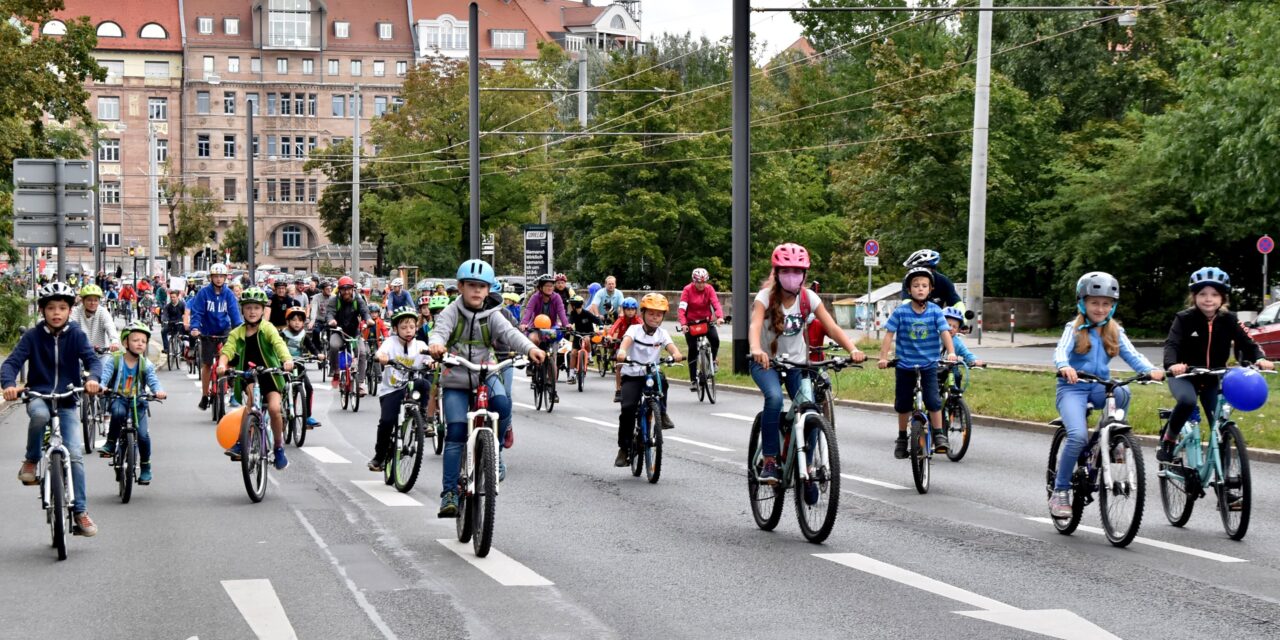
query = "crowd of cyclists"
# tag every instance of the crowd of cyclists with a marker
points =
(227, 328)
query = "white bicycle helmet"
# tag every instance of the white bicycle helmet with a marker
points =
(56, 290)
(397, 282)
(218, 270)
(923, 258)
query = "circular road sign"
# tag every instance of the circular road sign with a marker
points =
(1266, 245)
(873, 248)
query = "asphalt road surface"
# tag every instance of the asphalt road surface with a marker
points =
(584, 550)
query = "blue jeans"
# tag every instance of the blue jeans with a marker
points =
(1071, 401)
(119, 415)
(770, 383)
(38, 411)
(456, 404)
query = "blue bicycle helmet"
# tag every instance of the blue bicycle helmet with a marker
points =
(630, 303)
(477, 270)
(496, 287)
(1244, 389)
(952, 313)
(1210, 277)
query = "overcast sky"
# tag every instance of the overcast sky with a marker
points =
(714, 18)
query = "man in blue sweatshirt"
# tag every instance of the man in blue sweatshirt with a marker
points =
(56, 352)
(214, 313)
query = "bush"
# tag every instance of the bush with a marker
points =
(14, 314)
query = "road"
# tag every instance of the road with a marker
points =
(584, 550)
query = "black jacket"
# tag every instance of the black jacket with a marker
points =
(1193, 342)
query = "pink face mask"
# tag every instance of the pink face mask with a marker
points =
(791, 282)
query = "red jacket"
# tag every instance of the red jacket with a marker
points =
(699, 305)
(621, 325)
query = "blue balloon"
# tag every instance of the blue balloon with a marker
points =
(1245, 389)
(591, 291)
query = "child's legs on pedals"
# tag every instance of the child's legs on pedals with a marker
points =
(770, 384)
(632, 387)
(456, 404)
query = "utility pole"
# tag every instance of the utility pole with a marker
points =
(153, 234)
(253, 262)
(582, 89)
(741, 227)
(978, 177)
(355, 186)
(473, 124)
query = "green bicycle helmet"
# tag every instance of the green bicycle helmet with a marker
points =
(90, 290)
(254, 295)
(575, 300)
(437, 303)
(401, 313)
(134, 327)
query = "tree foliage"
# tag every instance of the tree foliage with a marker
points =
(236, 240)
(190, 209)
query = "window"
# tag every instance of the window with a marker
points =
(231, 26)
(229, 189)
(115, 71)
(507, 38)
(355, 67)
(396, 103)
(617, 23)
(162, 151)
(299, 190)
(208, 67)
(251, 99)
(574, 43)
(202, 145)
(155, 69)
(289, 23)
(162, 238)
(298, 101)
(311, 105)
(284, 190)
(379, 68)
(384, 30)
(257, 192)
(282, 66)
(338, 140)
(291, 237)
(202, 102)
(54, 28)
(111, 232)
(153, 31)
(312, 189)
(308, 67)
(333, 67)
(339, 106)
(286, 149)
(379, 105)
(311, 145)
(256, 152)
(228, 146)
(255, 65)
(108, 108)
(109, 193)
(402, 68)
(271, 104)
(158, 109)
(229, 102)
(108, 150)
(446, 33)
(299, 145)
(341, 29)
(286, 106)
(271, 189)
(271, 147)
(233, 64)
(204, 25)
(110, 30)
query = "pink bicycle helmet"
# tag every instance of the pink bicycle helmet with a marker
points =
(790, 255)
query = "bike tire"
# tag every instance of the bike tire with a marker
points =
(766, 500)
(464, 523)
(1065, 526)
(355, 394)
(219, 407)
(253, 463)
(87, 424)
(485, 502)
(1130, 490)
(550, 390)
(1235, 459)
(300, 402)
(818, 519)
(441, 431)
(128, 470)
(959, 424)
(921, 461)
(1174, 498)
(57, 505)
(344, 386)
(409, 456)
(538, 388)
(635, 454)
(582, 374)
(653, 448)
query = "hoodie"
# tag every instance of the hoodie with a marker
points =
(215, 314)
(471, 344)
(56, 360)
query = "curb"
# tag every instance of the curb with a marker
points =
(1255, 454)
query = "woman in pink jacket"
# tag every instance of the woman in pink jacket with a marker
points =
(698, 301)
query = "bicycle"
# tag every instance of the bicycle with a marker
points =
(125, 460)
(256, 454)
(372, 368)
(1118, 481)
(346, 368)
(810, 464)
(175, 349)
(956, 417)
(920, 447)
(645, 450)
(436, 424)
(94, 416)
(296, 403)
(1221, 461)
(218, 407)
(478, 474)
(544, 380)
(583, 353)
(706, 378)
(606, 351)
(409, 437)
(53, 473)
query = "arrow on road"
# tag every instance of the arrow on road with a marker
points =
(1054, 623)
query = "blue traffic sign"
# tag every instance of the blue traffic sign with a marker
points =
(1266, 245)
(872, 248)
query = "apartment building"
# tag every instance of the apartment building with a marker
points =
(512, 29)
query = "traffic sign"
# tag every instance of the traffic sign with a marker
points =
(871, 261)
(41, 172)
(44, 233)
(1266, 245)
(43, 203)
(872, 248)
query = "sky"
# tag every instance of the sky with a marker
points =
(714, 18)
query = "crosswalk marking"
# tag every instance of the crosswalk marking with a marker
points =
(261, 608)
(1167, 546)
(323, 454)
(386, 494)
(595, 421)
(878, 483)
(735, 416)
(525, 406)
(497, 565)
(713, 447)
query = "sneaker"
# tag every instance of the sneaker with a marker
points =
(145, 476)
(233, 404)
(622, 459)
(27, 474)
(940, 442)
(617, 395)
(1164, 454)
(769, 473)
(85, 526)
(282, 461)
(900, 446)
(360, 390)
(312, 423)
(666, 421)
(1060, 504)
(204, 403)
(375, 464)
(810, 493)
(108, 450)
(509, 439)
(234, 452)
(448, 505)
(693, 386)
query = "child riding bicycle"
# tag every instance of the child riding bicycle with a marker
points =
(256, 342)
(130, 375)
(643, 343)
(405, 349)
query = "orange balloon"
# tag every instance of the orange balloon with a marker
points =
(542, 321)
(596, 339)
(229, 428)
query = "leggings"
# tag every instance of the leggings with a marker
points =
(1185, 392)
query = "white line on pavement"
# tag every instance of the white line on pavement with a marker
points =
(525, 406)
(595, 421)
(913, 579)
(878, 483)
(260, 607)
(735, 416)
(1167, 546)
(713, 447)
(497, 565)
(368, 608)
(323, 454)
(386, 494)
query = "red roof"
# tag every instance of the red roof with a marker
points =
(131, 16)
(539, 18)
(582, 16)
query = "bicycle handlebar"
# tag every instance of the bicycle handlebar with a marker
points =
(668, 361)
(29, 394)
(452, 360)
(1111, 383)
(837, 363)
(253, 372)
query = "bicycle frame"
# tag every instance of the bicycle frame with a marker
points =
(479, 418)
(54, 443)
(797, 413)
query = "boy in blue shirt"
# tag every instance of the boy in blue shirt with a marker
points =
(917, 332)
(128, 375)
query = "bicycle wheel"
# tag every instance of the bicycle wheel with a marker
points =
(1121, 503)
(921, 461)
(1235, 493)
(550, 390)
(1174, 497)
(219, 407)
(636, 452)
(818, 500)
(441, 430)
(128, 469)
(825, 403)
(253, 461)
(344, 385)
(355, 392)
(57, 505)
(484, 503)
(602, 361)
(959, 424)
(582, 370)
(300, 403)
(766, 500)
(408, 456)
(1065, 526)
(87, 424)
(653, 447)
(538, 388)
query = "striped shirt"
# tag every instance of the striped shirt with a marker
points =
(917, 336)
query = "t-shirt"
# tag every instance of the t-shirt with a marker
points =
(917, 336)
(583, 321)
(294, 342)
(645, 347)
(415, 355)
(791, 342)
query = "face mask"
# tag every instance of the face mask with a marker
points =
(791, 281)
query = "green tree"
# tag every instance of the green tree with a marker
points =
(190, 209)
(236, 240)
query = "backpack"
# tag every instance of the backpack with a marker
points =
(486, 338)
(142, 371)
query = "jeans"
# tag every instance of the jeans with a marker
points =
(1071, 401)
(713, 337)
(770, 383)
(1185, 391)
(457, 402)
(119, 415)
(632, 391)
(391, 402)
(39, 413)
(362, 354)
(170, 329)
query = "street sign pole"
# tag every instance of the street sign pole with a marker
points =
(1265, 246)
(872, 249)
(60, 194)
(871, 307)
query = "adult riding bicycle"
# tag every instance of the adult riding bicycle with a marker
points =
(543, 376)
(705, 379)
(346, 367)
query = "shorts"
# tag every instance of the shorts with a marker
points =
(904, 396)
(210, 348)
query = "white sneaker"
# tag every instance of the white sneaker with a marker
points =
(1060, 504)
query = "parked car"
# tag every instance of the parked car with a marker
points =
(1265, 330)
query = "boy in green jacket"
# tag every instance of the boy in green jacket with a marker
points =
(258, 343)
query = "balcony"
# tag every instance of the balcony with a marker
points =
(291, 42)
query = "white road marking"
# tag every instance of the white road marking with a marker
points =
(913, 579)
(369, 609)
(1167, 546)
(323, 454)
(595, 421)
(260, 607)
(878, 483)
(497, 565)
(735, 416)
(386, 494)
(193, 376)
(524, 406)
(713, 447)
